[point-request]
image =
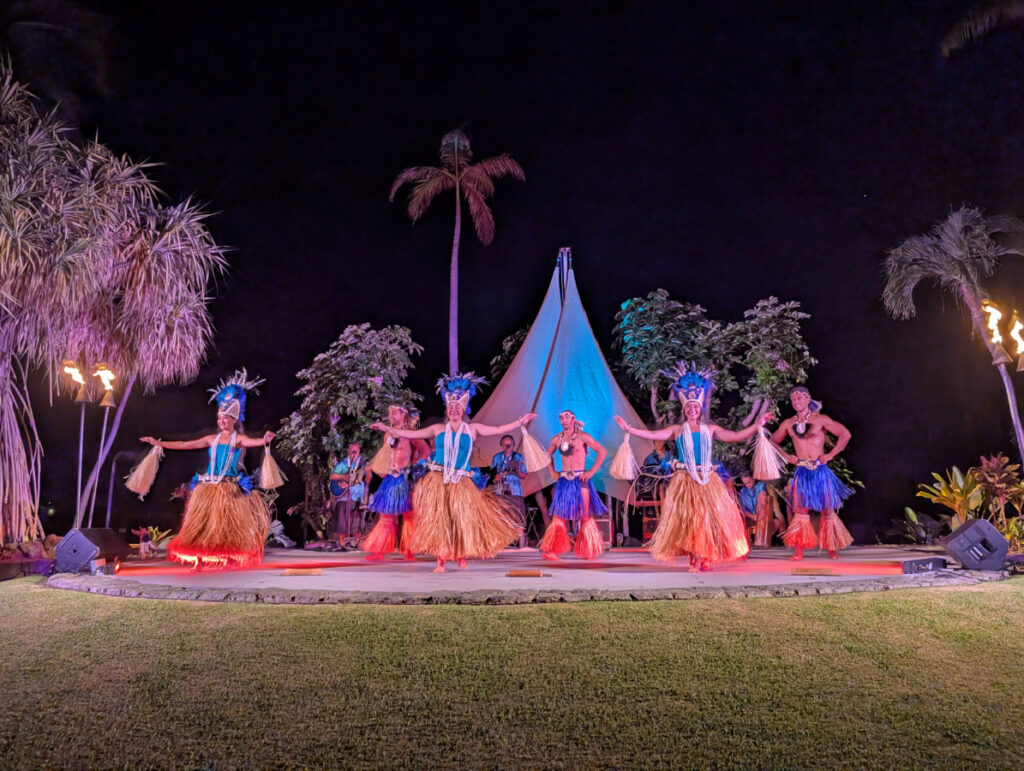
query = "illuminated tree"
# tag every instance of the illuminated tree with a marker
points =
(92, 269)
(472, 181)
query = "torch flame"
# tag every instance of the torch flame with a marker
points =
(1015, 334)
(76, 375)
(105, 375)
(994, 314)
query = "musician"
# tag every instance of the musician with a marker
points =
(509, 471)
(348, 483)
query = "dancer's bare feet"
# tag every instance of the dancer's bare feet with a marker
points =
(440, 566)
(798, 553)
(409, 556)
(374, 557)
(462, 564)
(549, 556)
(832, 555)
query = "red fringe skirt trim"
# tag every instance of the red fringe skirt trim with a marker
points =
(700, 520)
(408, 530)
(222, 526)
(381, 539)
(589, 543)
(556, 538)
(800, 533)
(459, 521)
(834, 535)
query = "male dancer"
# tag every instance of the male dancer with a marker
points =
(394, 496)
(814, 485)
(574, 496)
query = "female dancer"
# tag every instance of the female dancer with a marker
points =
(454, 519)
(225, 522)
(698, 515)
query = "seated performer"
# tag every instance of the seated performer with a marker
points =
(393, 498)
(814, 485)
(699, 517)
(348, 482)
(509, 472)
(225, 522)
(574, 496)
(455, 520)
(754, 502)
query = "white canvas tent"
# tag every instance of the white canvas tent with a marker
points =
(560, 366)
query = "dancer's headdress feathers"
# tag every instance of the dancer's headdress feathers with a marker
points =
(691, 385)
(461, 387)
(230, 393)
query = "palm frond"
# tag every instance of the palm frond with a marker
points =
(424, 192)
(979, 20)
(501, 166)
(483, 219)
(413, 175)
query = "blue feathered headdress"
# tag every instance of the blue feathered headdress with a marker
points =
(691, 385)
(461, 387)
(230, 393)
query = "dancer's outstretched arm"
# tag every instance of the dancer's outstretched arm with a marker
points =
(188, 444)
(251, 441)
(662, 433)
(482, 429)
(725, 435)
(407, 433)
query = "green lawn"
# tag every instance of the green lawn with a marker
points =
(927, 677)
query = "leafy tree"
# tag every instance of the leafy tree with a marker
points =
(472, 181)
(347, 387)
(509, 348)
(956, 255)
(92, 269)
(652, 333)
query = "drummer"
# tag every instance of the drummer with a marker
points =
(348, 483)
(509, 472)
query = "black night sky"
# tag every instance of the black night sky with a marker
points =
(725, 151)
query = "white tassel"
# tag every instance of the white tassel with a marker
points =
(768, 462)
(624, 465)
(141, 477)
(534, 455)
(271, 475)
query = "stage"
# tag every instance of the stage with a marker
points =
(309, 577)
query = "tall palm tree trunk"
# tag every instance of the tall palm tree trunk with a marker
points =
(973, 304)
(453, 289)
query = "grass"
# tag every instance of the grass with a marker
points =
(923, 678)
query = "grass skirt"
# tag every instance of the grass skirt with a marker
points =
(222, 526)
(567, 500)
(701, 520)
(458, 521)
(394, 496)
(381, 539)
(818, 489)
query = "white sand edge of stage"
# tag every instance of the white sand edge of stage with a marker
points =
(617, 576)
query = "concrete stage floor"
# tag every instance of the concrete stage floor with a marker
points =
(620, 574)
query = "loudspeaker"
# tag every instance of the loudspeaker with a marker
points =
(977, 545)
(79, 547)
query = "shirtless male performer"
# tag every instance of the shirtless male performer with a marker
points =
(814, 485)
(394, 496)
(574, 495)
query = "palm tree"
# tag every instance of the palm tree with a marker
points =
(92, 269)
(475, 181)
(978, 21)
(956, 255)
